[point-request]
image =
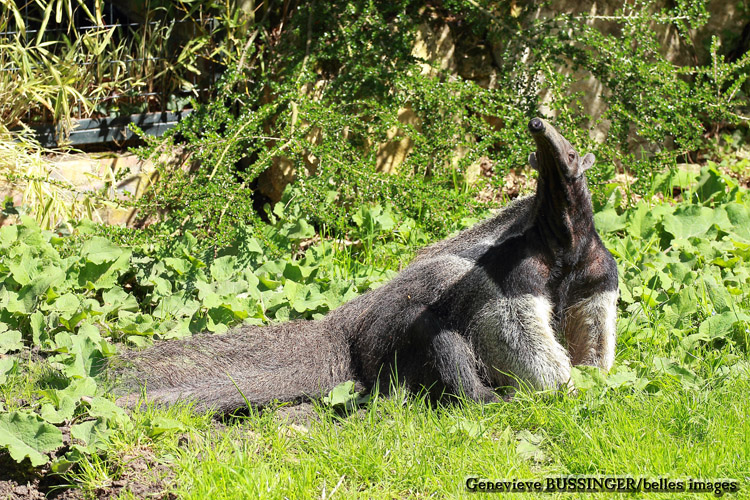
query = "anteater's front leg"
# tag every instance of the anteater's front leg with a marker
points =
(458, 367)
(590, 329)
(517, 343)
(442, 353)
(428, 355)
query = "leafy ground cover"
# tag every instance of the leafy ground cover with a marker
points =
(674, 405)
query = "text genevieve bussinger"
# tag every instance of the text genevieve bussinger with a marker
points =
(592, 484)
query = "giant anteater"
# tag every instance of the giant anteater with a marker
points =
(519, 298)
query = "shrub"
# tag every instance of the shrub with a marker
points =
(327, 83)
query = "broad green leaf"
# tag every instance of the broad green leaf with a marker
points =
(268, 282)
(180, 266)
(66, 303)
(623, 376)
(693, 220)
(79, 388)
(176, 305)
(231, 288)
(720, 325)
(102, 271)
(222, 288)
(85, 358)
(469, 428)
(93, 433)
(587, 377)
(343, 397)
(116, 299)
(8, 235)
(271, 268)
(27, 297)
(711, 185)
(680, 310)
(643, 220)
(66, 306)
(224, 268)
(8, 365)
(291, 290)
(57, 416)
(101, 250)
(219, 318)
(212, 299)
(688, 343)
(739, 218)
(106, 409)
(340, 394)
(178, 329)
(251, 245)
(158, 425)
(310, 300)
(607, 219)
(300, 230)
(24, 268)
(27, 435)
(65, 463)
(680, 272)
(137, 341)
(252, 282)
(293, 272)
(10, 341)
(529, 446)
(625, 294)
(138, 324)
(385, 221)
(162, 287)
(38, 326)
(282, 313)
(65, 401)
(720, 297)
(686, 377)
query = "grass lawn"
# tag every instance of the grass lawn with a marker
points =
(400, 447)
(673, 408)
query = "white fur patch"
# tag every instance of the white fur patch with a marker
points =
(514, 338)
(590, 328)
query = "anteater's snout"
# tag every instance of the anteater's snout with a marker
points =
(536, 125)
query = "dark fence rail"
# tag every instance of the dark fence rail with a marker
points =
(155, 104)
(109, 130)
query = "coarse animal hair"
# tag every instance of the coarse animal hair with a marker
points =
(519, 298)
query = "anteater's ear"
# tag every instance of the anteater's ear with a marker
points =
(586, 162)
(532, 161)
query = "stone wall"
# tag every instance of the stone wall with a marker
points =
(93, 172)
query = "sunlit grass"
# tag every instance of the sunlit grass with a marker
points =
(402, 447)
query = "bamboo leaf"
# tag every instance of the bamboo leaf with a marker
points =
(45, 20)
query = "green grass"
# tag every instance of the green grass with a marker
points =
(400, 447)
(674, 406)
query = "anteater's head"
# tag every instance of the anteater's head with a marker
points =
(554, 153)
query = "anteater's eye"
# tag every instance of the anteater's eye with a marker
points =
(571, 156)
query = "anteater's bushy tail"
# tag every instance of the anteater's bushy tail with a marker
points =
(287, 362)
